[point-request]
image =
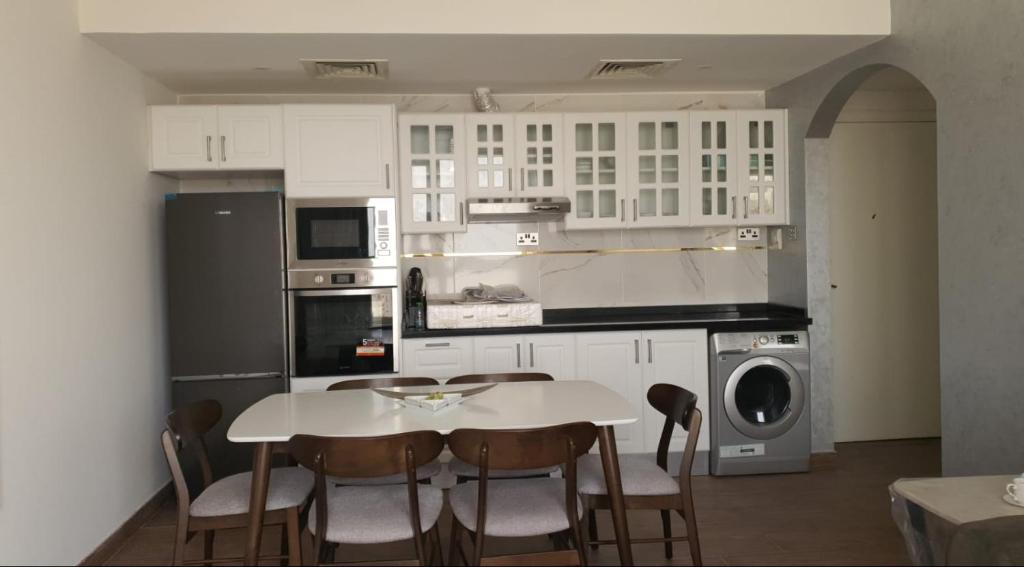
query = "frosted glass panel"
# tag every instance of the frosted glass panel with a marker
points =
(754, 137)
(445, 137)
(706, 201)
(482, 178)
(547, 133)
(721, 135)
(723, 167)
(481, 132)
(420, 174)
(446, 173)
(648, 203)
(769, 134)
(648, 169)
(646, 136)
(584, 137)
(446, 207)
(499, 133)
(548, 154)
(420, 207)
(669, 135)
(769, 200)
(705, 135)
(705, 168)
(481, 156)
(499, 156)
(723, 204)
(769, 167)
(670, 169)
(531, 155)
(499, 178)
(584, 171)
(549, 178)
(606, 136)
(531, 178)
(419, 139)
(606, 170)
(753, 202)
(584, 204)
(670, 202)
(606, 202)
(531, 132)
(754, 168)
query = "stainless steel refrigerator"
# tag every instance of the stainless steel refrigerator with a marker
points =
(225, 273)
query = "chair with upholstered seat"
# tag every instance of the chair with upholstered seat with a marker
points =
(224, 504)
(519, 507)
(372, 514)
(464, 471)
(424, 473)
(646, 484)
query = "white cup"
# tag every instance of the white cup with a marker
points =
(1016, 490)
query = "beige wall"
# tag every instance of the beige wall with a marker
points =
(83, 380)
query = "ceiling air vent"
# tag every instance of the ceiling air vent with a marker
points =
(346, 68)
(631, 68)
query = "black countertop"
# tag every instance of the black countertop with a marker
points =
(714, 318)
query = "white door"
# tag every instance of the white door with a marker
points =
(433, 173)
(613, 360)
(440, 358)
(183, 138)
(761, 181)
(497, 354)
(595, 157)
(490, 155)
(539, 155)
(712, 187)
(553, 354)
(659, 160)
(251, 137)
(339, 150)
(679, 357)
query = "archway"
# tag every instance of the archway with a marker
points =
(871, 191)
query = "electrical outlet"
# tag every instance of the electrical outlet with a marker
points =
(527, 239)
(749, 233)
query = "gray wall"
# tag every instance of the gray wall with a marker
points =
(970, 55)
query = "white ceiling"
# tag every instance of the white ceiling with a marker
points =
(226, 63)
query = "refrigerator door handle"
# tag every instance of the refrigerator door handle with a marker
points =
(243, 376)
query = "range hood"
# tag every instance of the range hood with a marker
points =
(519, 209)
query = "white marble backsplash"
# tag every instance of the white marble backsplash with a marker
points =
(596, 280)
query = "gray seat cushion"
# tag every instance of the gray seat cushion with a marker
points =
(375, 514)
(515, 507)
(459, 467)
(428, 470)
(641, 476)
(289, 487)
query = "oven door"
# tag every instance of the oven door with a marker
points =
(341, 332)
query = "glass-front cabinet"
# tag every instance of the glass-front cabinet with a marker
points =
(659, 164)
(433, 172)
(595, 154)
(490, 155)
(537, 142)
(761, 180)
(712, 154)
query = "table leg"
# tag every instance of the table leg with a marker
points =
(610, 462)
(257, 500)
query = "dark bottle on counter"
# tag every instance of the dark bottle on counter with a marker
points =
(415, 301)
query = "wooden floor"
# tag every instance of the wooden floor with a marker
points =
(838, 514)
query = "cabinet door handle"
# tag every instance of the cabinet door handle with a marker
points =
(734, 206)
(223, 148)
(209, 153)
(636, 349)
(522, 178)
(462, 216)
(745, 208)
(438, 345)
(622, 210)
(634, 210)
(519, 357)
(531, 355)
(650, 352)
(387, 176)
(510, 179)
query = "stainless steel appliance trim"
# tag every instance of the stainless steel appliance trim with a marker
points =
(242, 376)
(340, 292)
(362, 278)
(377, 203)
(793, 412)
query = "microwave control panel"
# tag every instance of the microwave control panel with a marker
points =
(384, 231)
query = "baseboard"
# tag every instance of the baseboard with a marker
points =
(106, 549)
(824, 461)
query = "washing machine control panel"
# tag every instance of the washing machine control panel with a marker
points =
(768, 340)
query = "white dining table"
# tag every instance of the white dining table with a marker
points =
(363, 413)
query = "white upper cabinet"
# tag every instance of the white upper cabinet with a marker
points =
(659, 166)
(204, 138)
(761, 153)
(490, 155)
(339, 150)
(538, 151)
(432, 157)
(595, 157)
(713, 158)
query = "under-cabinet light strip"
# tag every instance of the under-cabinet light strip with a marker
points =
(599, 251)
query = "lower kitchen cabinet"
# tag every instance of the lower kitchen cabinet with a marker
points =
(613, 360)
(680, 357)
(439, 358)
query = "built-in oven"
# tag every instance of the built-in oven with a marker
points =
(342, 322)
(341, 233)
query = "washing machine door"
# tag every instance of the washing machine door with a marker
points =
(764, 397)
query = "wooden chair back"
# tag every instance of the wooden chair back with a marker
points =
(186, 427)
(679, 406)
(366, 383)
(501, 377)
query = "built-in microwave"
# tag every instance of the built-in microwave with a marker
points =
(341, 233)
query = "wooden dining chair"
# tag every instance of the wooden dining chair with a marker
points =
(464, 471)
(378, 513)
(425, 472)
(648, 485)
(520, 507)
(224, 504)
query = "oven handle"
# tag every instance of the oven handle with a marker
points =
(337, 292)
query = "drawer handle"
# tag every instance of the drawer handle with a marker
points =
(436, 345)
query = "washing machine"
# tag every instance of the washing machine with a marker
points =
(760, 402)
